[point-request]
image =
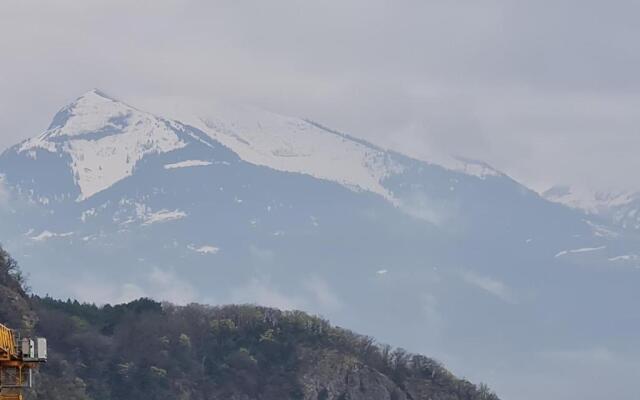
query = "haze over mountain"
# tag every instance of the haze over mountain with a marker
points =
(235, 352)
(460, 261)
(544, 93)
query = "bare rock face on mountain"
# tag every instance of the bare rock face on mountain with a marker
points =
(332, 376)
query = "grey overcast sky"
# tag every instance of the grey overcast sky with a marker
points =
(547, 91)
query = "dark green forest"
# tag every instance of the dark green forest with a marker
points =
(146, 350)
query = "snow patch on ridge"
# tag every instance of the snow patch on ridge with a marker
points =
(188, 163)
(204, 249)
(626, 257)
(46, 235)
(582, 250)
(163, 216)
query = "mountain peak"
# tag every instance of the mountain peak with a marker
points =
(91, 96)
(98, 93)
(89, 112)
(104, 139)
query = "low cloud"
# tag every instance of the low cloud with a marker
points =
(489, 285)
(99, 292)
(596, 355)
(322, 294)
(430, 308)
(169, 286)
(311, 294)
(262, 256)
(586, 373)
(160, 284)
(434, 211)
(4, 193)
(263, 292)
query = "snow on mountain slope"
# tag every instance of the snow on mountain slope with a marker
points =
(295, 145)
(622, 209)
(587, 200)
(105, 139)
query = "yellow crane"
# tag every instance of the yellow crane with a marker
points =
(18, 358)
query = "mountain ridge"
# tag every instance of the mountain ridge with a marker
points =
(100, 116)
(475, 269)
(615, 207)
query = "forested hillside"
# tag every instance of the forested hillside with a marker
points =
(147, 350)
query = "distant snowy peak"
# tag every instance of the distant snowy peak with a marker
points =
(104, 139)
(622, 209)
(593, 202)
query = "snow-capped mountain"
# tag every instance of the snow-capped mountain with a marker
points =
(622, 209)
(105, 139)
(244, 205)
(301, 146)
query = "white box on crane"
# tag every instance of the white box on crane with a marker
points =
(41, 349)
(28, 348)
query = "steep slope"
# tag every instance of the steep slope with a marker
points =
(145, 350)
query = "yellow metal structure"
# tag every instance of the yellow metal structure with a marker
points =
(7, 344)
(15, 365)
